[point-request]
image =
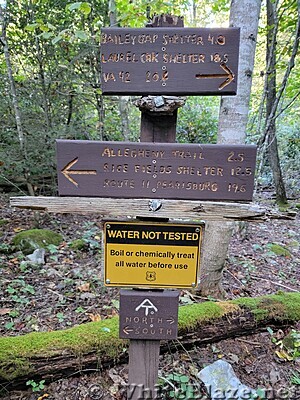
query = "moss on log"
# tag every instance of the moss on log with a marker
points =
(51, 355)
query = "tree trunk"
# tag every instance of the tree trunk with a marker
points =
(273, 155)
(215, 248)
(46, 102)
(274, 108)
(20, 131)
(232, 130)
(52, 355)
(124, 110)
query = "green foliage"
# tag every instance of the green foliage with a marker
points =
(178, 386)
(287, 348)
(36, 386)
(77, 244)
(198, 120)
(295, 379)
(91, 236)
(55, 51)
(279, 249)
(61, 317)
(291, 342)
(82, 6)
(134, 13)
(5, 248)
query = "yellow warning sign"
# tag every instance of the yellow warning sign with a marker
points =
(152, 254)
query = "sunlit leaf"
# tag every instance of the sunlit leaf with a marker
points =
(31, 27)
(85, 8)
(56, 39)
(81, 35)
(47, 35)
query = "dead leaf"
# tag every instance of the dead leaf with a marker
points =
(67, 260)
(185, 357)
(43, 397)
(18, 229)
(85, 287)
(283, 355)
(95, 317)
(4, 311)
(114, 313)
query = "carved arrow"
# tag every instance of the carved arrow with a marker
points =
(229, 76)
(66, 171)
(126, 330)
(171, 320)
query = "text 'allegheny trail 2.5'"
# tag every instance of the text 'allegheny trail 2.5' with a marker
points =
(156, 170)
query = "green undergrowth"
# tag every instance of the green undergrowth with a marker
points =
(103, 337)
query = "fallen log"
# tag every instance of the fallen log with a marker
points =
(96, 345)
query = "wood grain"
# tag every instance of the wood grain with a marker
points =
(173, 209)
(143, 369)
(172, 60)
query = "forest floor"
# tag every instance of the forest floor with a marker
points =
(264, 258)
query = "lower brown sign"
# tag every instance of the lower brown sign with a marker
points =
(149, 315)
(152, 170)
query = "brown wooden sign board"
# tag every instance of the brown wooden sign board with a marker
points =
(180, 61)
(149, 315)
(158, 171)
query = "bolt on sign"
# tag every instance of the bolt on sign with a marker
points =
(148, 315)
(139, 254)
(187, 61)
(156, 170)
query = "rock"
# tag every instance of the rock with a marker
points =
(37, 257)
(28, 241)
(221, 382)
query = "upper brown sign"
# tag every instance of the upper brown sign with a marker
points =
(187, 61)
(155, 170)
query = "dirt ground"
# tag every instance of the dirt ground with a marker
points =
(264, 258)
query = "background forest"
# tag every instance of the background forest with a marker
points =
(50, 87)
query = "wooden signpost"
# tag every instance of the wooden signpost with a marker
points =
(188, 61)
(159, 171)
(155, 254)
